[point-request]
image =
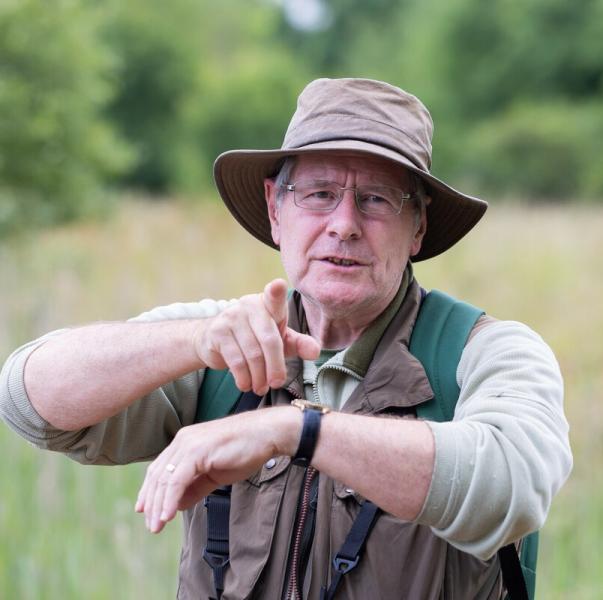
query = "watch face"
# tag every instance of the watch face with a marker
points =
(308, 405)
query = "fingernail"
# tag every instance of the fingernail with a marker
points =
(164, 516)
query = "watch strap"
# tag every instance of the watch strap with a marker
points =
(309, 437)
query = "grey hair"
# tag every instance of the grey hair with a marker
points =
(283, 176)
(419, 197)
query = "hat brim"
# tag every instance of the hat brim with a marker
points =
(240, 174)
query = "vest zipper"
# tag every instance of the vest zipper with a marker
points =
(292, 587)
(299, 548)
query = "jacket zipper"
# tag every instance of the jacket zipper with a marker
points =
(340, 368)
(292, 577)
(294, 584)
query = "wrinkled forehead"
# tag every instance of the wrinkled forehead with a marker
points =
(364, 168)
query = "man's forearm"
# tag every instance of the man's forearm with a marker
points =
(88, 374)
(85, 375)
(388, 461)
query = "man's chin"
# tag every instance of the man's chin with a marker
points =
(338, 296)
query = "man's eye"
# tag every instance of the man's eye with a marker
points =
(375, 199)
(323, 194)
(318, 194)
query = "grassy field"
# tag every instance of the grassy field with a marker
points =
(68, 531)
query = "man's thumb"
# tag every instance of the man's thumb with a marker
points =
(304, 346)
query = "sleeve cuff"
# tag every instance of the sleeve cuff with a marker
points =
(17, 410)
(444, 499)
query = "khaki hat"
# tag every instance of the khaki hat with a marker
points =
(351, 115)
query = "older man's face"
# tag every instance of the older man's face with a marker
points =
(345, 260)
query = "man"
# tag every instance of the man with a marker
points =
(349, 202)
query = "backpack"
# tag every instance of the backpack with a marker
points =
(438, 338)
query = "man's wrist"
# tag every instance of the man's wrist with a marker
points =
(199, 328)
(287, 428)
(312, 418)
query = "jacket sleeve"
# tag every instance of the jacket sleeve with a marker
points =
(499, 463)
(138, 433)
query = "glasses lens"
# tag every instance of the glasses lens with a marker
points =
(380, 200)
(316, 195)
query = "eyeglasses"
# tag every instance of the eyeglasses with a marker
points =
(374, 200)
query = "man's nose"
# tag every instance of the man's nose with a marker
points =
(345, 220)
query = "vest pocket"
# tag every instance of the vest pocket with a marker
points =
(271, 469)
(255, 505)
(254, 508)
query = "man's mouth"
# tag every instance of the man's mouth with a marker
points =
(342, 262)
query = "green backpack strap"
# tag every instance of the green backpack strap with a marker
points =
(438, 338)
(217, 396)
(528, 557)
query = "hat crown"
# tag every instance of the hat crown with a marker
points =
(365, 110)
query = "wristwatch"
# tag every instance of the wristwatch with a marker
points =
(313, 413)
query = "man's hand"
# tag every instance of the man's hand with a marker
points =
(208, 455)
(251, 338)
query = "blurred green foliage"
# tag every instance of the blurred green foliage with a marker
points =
(156, 79)
(142, 94)
(56, 147)
(547, 151)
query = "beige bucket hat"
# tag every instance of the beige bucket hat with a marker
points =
(351, 115)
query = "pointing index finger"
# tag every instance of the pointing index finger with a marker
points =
(275, 300)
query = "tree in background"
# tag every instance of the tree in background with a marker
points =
(195, 80)
(251, 86)
(56, 148)
(159, 49)
(527, 85)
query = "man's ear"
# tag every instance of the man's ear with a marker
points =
(420, 229)
(270, 193)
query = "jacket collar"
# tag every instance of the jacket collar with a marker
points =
(392, 377)
(395, 378)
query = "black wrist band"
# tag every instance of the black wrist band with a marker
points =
(309, 437)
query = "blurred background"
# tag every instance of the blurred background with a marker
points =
(111, 114)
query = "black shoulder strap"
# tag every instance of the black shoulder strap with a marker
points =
(216, 552)
(512, 573)
(217, 549)
(349, 554)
